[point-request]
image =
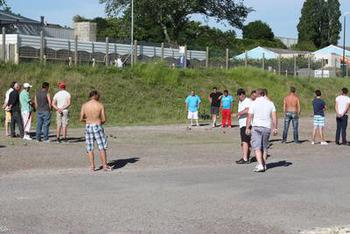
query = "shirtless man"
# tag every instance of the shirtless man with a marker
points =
(291, 109)
(93, 114)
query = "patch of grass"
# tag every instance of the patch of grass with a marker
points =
(154, 94)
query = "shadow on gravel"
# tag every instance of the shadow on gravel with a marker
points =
(2, 146)
(120, 163)
(283, 163)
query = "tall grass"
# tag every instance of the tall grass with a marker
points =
(154, 93)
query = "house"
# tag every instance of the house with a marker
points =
(332, 56)
(269, 53)
(21, 25)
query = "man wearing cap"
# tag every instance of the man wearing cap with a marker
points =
(61, 103)
(26, 110)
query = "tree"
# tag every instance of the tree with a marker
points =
(319, 23)
(172, 16)
(258, 30)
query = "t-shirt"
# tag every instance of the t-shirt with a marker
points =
(193, 103)
(242, 105)
(215, 101)
(262, 109)
(226, 102)
(7, 95)
(24, 99)
(61, 98)
(343, 102)
(319, 106)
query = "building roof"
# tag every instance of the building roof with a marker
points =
(285, 51)
(10, 18)
(331, 49)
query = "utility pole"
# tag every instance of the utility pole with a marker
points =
(132, 32)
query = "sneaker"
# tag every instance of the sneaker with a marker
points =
(312, 142)
(324, 143)
(47, 141)
(26, 137)
(259, 168)
(242, 161)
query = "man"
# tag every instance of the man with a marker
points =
(15, 110)
(291, 108)
(192, 106)
(26, 110)
(342, 103)
(263, 118)
(61, 102)
(253, 95)
(243, 108)
(214, 99)
(226, 107)
(7, 109)
(93, 114)
(43, 106)
(319, 107)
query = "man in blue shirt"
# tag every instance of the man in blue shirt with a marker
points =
(226, 106)
(319, 107)
(192, 105)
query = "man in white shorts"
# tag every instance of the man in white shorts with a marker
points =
(263, 119)
(61, 103)
(192, 105)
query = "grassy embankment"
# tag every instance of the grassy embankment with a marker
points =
(154, 94)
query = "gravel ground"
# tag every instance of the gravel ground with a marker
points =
(171, 180)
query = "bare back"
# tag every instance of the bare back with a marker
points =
(92, 112)
(292, 103)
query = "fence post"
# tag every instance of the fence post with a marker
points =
(227, 58)
(322, 72)
(263, 61)
(107, 52)
(185, 57)
(309, 65)
(295, 66)
(41, 46)
(207, 58)
(279, 64)
(17, 55)
(246, 59)
(3, 53)
(92, 50)
(76, 50)
(135, 51)
(335, 67)
(44, 59)
(162, 51)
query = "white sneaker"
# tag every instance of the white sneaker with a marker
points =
(324, 143)
(28, 138)
(312, 142)
(259, 168)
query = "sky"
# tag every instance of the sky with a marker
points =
(281, 15)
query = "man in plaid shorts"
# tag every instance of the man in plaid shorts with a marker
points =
(93, 114)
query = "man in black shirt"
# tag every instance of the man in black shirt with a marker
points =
(214, 99)
(15, 110)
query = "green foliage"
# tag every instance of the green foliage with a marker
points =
(320, 23)
(154, 94)
(258, 30)
(305, 46)
(171, 17)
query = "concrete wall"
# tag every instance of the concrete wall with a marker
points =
(86, 31)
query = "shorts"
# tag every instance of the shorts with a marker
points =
(192, 115)
(7, 117)
(95, 132)
(62, 119)
(319, 121)
(260, 138)
(244, 137)
(214, 110)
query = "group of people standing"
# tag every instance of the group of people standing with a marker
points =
(257, 118)
(19, 107)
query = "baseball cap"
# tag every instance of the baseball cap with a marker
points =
(61, 85)
(27, 85)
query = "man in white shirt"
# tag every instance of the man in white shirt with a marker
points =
(61, 103)
(243, 108)
(263, 118)
(342, 103)
(7, 109)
